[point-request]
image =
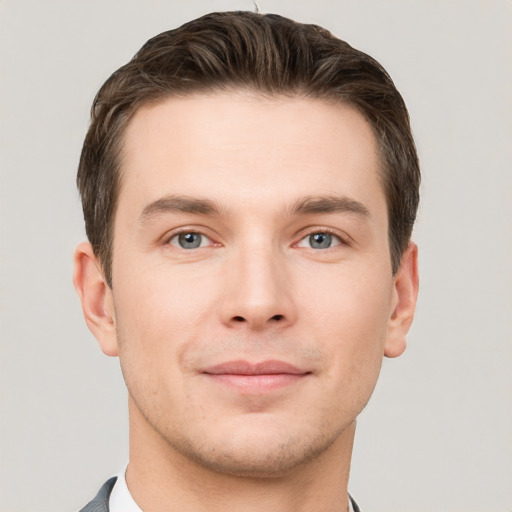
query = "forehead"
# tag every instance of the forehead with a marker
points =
(243, 148)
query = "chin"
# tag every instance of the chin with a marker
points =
(256, 456)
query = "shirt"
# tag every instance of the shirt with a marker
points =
(121, 500)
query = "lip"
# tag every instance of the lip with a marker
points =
(255, 378)
(241, 367)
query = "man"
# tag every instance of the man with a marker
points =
(249, 187)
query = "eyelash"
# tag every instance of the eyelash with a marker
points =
(341, 240)
(185, 231)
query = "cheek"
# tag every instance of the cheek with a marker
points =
(352, 302)
(158, 314)
(350, 317)
(158, 297)
(153, 328)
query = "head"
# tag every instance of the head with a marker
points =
(269, 55)
(249, 187)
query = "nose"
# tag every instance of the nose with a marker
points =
(258, 291)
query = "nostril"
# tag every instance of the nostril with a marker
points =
(275, 318)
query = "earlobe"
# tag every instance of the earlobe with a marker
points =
(406, 284)
(96, 298)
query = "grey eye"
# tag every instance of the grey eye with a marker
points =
(320, 240)
(189, 240)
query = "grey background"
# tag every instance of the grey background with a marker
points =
(437, 436)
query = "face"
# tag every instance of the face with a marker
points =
(253, 298)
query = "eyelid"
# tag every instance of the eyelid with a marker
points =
(343, 238)
(204, 242)
(166, 239)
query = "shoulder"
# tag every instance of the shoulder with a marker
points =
(100, 502)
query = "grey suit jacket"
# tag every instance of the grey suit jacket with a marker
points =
(100, 503)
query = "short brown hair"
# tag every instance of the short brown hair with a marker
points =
(243, 50)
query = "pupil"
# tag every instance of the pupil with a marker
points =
(189, 240)
(320, 240)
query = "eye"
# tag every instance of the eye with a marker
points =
(189, 240)
(320, 240)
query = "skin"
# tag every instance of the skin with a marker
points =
(258, 288)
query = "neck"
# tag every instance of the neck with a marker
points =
(158, 475)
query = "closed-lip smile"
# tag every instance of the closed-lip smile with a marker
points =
(256, 378)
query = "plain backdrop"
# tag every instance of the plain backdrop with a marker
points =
(437, 434)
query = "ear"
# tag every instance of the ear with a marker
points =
(405, 294)
(96, 298)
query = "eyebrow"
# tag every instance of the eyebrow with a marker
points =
(309, 205)
(329, 204)
(180, 204)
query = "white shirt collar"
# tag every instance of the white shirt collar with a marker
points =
(121, 500)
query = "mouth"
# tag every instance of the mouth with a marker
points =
(256, 378)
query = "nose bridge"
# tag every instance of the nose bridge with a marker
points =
(258, 291)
